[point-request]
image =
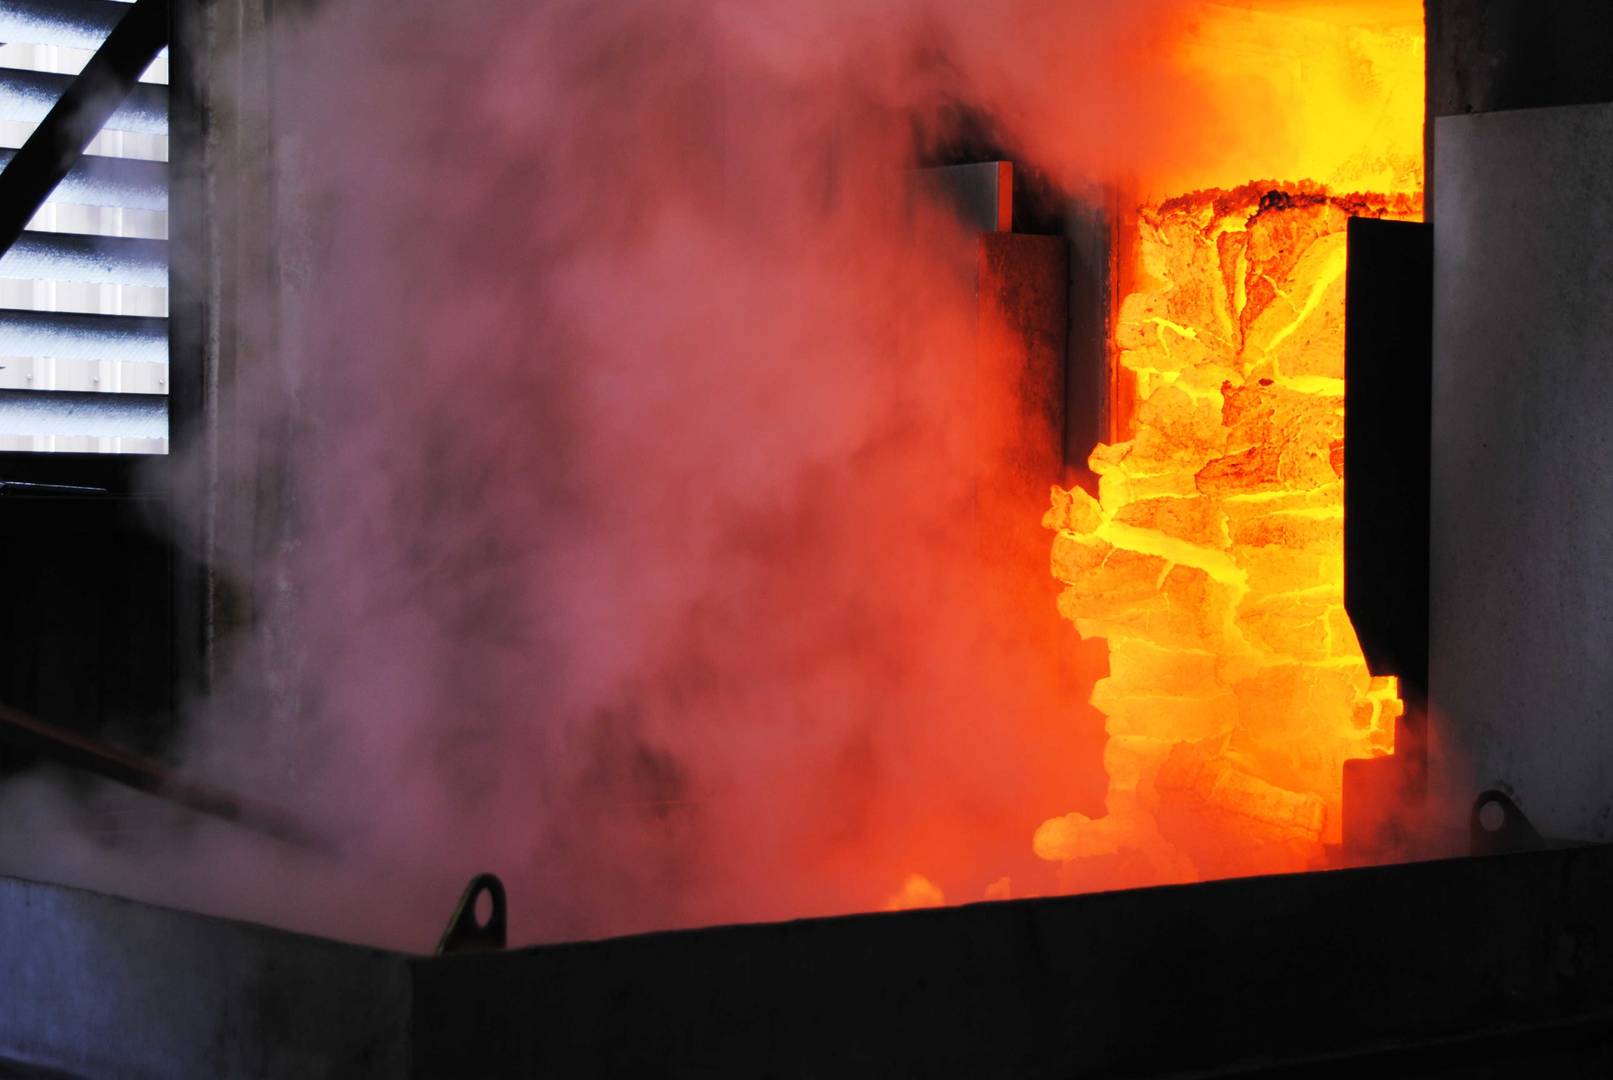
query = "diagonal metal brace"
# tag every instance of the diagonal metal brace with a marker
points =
(79, 114)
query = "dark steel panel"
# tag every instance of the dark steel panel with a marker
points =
(191, 275)
(982, 193)
(82, 611)
(1388, 356)
(1024, 323)
(1490, 55)
(1387, 343)
(1436, 969)
(98, 986)
(1499, 966)
(1090, 223)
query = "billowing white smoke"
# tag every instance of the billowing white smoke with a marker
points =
(627, 390)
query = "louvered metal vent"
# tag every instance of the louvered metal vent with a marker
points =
(84, 290)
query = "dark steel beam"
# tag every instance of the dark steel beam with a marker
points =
(80, 752)
(81, 112)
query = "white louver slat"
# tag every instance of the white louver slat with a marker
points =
(76, 24)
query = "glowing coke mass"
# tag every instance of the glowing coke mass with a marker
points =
(1208, 551)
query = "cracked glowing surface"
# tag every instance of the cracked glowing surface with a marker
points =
(1211, 559)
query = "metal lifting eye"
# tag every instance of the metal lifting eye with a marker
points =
(478, 923)
(1496, 826)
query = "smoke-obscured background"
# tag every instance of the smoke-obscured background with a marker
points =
(635, 443)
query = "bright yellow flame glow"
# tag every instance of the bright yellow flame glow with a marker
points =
(1326, 91)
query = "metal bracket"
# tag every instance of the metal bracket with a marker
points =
(1498, 827)
(470, 932)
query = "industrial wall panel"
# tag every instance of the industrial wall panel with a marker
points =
(1521, 549)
